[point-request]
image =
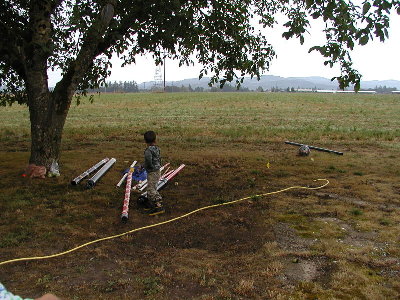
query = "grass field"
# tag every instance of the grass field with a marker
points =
(339, 242)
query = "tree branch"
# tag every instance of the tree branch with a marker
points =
(55, 4)
(88, 52)
(10, 53)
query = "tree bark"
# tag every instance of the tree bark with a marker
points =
(48, 110)
(47, 120)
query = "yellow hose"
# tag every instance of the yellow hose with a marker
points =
(162, 223)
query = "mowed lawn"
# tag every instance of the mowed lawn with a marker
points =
(342, 241)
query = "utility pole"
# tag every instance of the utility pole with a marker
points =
(164, 71)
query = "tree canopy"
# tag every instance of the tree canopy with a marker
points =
(79, 37)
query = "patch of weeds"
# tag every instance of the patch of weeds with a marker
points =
(45, 280)
(245, 288)
(304, 231)
(308, 229)
(293, 218)
(206, 281)
(18, 203)
(48, 235)
(61, 220)
(80, 269)
(251, 182)
(111, 286)
(356, 212)
(384, 222)
(89, 216)
(53, 203)
(255, 198)
(218, 200)
(152, 285)
(332, 168)
(358, 173)
(255, 172)
(281, 174)
(14, 238)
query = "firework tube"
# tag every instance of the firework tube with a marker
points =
(315, 148)
(87, 172)
(125, 207)
(166, 171)
(173, 174)
(163, 182)
(92, 181)
(126, 174)
(142, 185)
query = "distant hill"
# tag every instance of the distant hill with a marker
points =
(269, 81)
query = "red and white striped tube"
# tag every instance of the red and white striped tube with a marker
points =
(163, 181)
(142, 185)
(162, 178)
(165, 178)
(125, 207)
(166, 171)
(167, 174)
(173, 174)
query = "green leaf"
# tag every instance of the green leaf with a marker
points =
(286, 35)
(366, 7)
(317, 48)
(398, 10)
(364, 40)
(329, 9)
(316, 14)
(386, 32)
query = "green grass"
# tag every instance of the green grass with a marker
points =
(234, 251)
(310, 117)
(16, 237)
(356, 212)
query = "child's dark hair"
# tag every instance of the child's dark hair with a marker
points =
(150, 137)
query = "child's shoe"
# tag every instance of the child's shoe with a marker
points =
(156, 211)
(144, 202)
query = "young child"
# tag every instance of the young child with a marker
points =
(152, 164)
(6, 295)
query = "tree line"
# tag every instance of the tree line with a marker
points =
(118, 87)
(383, 89)
(133, 87)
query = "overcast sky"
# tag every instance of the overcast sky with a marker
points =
(375, 61)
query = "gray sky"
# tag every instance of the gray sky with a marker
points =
(375, 61)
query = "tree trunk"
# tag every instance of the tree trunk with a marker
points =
(48, 110)
(47, 117)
